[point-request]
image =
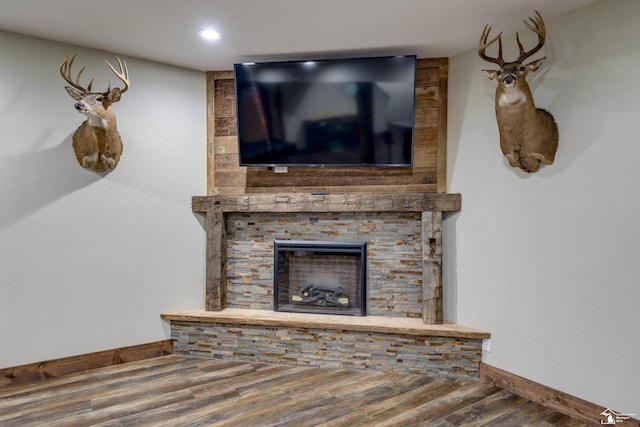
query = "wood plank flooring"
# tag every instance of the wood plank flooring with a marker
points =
(179, 391)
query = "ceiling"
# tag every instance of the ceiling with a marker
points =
(167, 31)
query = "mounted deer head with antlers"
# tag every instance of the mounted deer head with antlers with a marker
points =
(528, 135)
(96, 142)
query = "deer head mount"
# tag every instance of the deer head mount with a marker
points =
(96, 142)
(528, 135)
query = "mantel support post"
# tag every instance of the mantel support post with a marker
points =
(216, 254)
(432, 267)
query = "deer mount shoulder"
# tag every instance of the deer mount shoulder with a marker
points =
(528, 135)
(96, 142)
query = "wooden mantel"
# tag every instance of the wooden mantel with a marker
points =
(329, 202)
(431, 206)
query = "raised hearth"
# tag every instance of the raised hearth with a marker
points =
(321, 340)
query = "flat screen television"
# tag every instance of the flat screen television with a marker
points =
(338, 112)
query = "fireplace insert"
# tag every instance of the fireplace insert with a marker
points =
(320, 277)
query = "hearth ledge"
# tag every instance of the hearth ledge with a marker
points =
(396, 325)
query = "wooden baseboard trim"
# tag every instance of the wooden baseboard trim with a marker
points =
(68, 365)
(551, 398)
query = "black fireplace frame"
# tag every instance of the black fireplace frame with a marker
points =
(323, 247)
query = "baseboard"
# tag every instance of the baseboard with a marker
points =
(551, 398)
(68, 365)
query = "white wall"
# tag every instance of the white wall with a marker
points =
(548, 263)
(88, 262)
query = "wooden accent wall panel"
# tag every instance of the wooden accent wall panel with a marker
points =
(428, 173)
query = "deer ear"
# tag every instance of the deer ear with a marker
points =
(114, 95)
(534, 65)
(491, 74)
(74, 93)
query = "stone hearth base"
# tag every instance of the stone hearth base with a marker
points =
(322, 341)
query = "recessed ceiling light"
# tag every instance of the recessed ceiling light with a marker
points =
(210, 34)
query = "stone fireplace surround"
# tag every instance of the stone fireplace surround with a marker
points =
(416, 341)
(429, 205)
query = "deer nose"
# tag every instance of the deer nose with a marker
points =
(509, 78)
(78, 105)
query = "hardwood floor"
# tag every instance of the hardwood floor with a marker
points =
(178, 391)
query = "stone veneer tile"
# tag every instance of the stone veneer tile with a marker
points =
(436, 356)
(394, 255)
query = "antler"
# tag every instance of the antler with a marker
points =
(539, 29)
(537, 26)
(483, 44)
(65, 72)
(123, 74)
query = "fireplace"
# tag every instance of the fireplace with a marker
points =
(245, 279)
(320, 277)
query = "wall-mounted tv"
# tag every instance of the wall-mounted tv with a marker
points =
(338, 112)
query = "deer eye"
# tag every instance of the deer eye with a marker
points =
(521, 69)
(99, 99)
(499, 73)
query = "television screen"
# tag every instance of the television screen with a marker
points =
(346, 112)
